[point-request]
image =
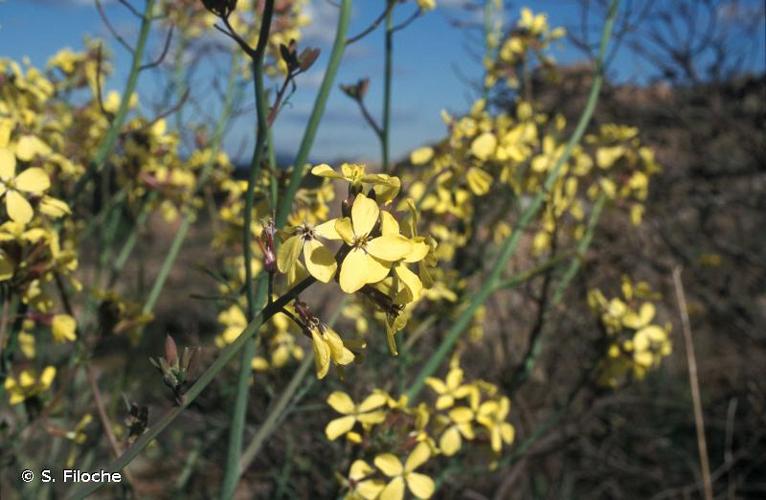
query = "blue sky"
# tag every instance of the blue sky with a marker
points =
(427, 54)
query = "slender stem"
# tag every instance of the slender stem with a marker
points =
(130, 242)
(691, 359)
(110, 139)
(387, 81)
(511, 243)
(339, 46)
(275, 414)
(525, 276)
(277, 411)
(196, 389)
(239, 412)
(183, 228)
(536, 342)
(167, 265)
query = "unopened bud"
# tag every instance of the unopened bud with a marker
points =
(221, 8)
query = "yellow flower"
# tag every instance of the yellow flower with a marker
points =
(370, 258)
(365, 413)
(535, 24)
(319, 260)
(420, 485)
(421, 156)
(386, 187)
(234, 321)
(460, 419)
(360, 484)
(29, 384)
(427, 5)
(451, 389)
(32, 180)
(492, 415)
(328, 346)
(64, 327)
(412, 286)
(483, 147)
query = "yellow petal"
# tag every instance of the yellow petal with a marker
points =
(461, 414)
(388, 224)
(321, 354)
(288, 253)
(46, 379)
(7, 164)
(377, 270)
(320, 262)
(389, 464)
(339, 426)
(370, 489)
(393, 490)
(374, 400)
(63, 327)
(451, 441)
(608, 156)
(327, 230)
(341, 402)
(353, 271)
(325, 170)
(418, 457)
(53, 207)
(29, 146)
(374, 417)
(18, 207)
(340, 354)
(479, 181)
(484, 146)
(420, 485)
(359, 470)
(33, 180)
(389, 248)
(421, 156)
(410, 280)
(419, 251)
(364, 215)
(345, 230)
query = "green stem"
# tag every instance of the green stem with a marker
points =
(110, 139)
(511, 243)
(339, 46)
(527, 275)
(275, 414)
(183, 228)
(239, 411)
(130, 242)
(387, 80)
(277, 411)
(196, 389)
(536, 343)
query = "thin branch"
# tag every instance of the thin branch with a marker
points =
(372, 27)
(99, 89)
(111, 29)
(164, 52)
(106, 423)
(165, 113)
(407, 21)
(369, 119)
(132, 9)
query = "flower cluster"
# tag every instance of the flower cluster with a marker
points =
(636, 343)
(400, 439)
(530, 39)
